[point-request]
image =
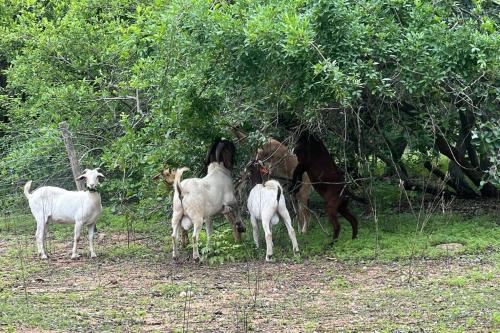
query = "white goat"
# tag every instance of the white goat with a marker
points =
(58, 205)
(198, 199)
(265, 202)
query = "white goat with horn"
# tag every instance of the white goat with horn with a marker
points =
(81, 208)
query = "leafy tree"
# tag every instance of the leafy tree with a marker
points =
(147, 83)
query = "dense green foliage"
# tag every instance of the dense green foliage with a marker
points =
(146, 83)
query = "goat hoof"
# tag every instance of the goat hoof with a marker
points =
(270, 258)
(75, 256)
(93, 255)
(197, 259)
(44, 257)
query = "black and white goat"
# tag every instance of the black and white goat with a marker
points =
(265, 202)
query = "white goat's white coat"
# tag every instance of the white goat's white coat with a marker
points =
(202, 198)
(263, 204)
(57, 205)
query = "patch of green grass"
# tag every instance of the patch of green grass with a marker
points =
(385, 193)
(17, 265)
(478, 276)
(171, 289)
(495, 318)
(469, 278)
(19, 224)
(310, 326)
(340, 282)
(456, 281)
(392, 237)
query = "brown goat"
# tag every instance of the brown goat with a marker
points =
(281, 164)
(327, 179)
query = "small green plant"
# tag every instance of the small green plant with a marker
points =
(457, 281)
(340, 282)
(170, 289)
(310, 326)
(222, 248)
(495, 318)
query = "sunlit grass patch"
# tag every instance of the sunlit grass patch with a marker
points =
(470, 278)
(395, 237)
(170, 290)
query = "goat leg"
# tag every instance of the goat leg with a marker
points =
(237, 226)
(288, 223)
(197, 223)
(266, 225)
(255, 230)
(41, 235)
(91, 240)
(78, 227)
(297, 179)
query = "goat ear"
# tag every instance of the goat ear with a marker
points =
(100, 175)
(98, 169)
(81, 177)
(155, 177)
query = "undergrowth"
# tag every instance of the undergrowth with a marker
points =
(400, 236)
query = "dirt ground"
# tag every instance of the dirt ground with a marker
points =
(153, 293)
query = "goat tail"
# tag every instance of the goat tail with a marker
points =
(27, 188)
(177, 180)
(274, 184)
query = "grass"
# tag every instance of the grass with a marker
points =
(140, 281)
(395, 237)
(468, 278)
(390, 237)
(172, 289)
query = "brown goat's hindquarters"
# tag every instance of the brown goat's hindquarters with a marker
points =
(327, 179)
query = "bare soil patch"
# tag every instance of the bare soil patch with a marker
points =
(321, 295)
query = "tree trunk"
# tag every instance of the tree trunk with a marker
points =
(474, 174)
(411, 185)
(75, 165)
(467, 123)
(463, 191)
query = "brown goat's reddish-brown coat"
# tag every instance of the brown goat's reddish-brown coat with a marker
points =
(281, 164)
(326, 178)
